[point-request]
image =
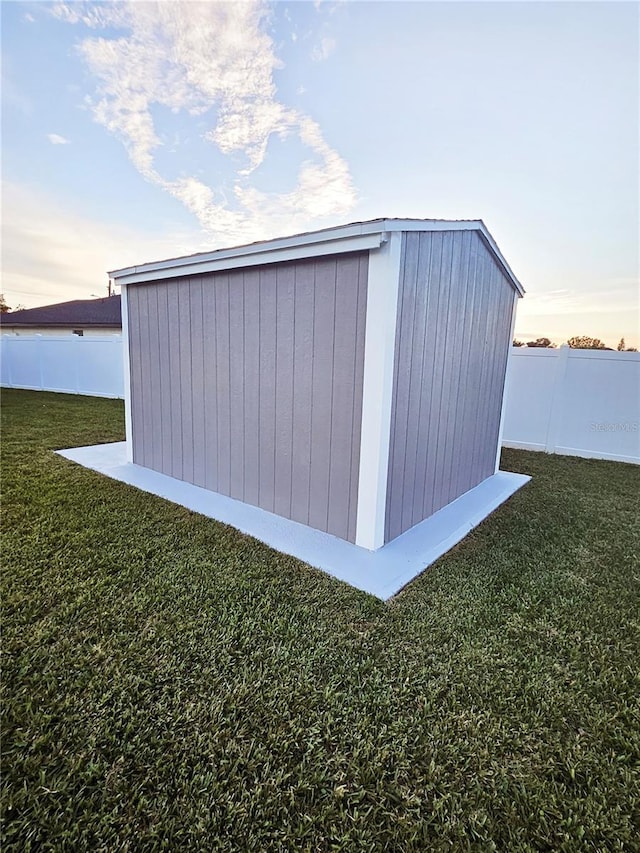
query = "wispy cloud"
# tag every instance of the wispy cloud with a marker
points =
(323, 49)
(56, 139)
(610, 297)
(211, 60)
(50, 254)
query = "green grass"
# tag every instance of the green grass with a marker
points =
(170, 684)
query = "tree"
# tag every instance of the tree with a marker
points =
(4, 308)
(585, 342)
(540, 342)
(622, 347)
(516, 343)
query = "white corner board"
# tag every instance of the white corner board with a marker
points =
(382, 573)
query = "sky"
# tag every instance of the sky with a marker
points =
(136, 131)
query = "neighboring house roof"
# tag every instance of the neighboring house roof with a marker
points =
(80, 313)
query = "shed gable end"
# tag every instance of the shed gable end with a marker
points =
(452, 340)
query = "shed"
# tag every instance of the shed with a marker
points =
(349, 381)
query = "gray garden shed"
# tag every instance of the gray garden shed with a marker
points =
(349, 380)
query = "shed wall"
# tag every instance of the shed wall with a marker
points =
(452, 343)
(249, 383)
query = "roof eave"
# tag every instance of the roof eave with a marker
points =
(354, 237)
(68, 324)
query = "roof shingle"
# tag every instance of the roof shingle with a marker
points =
(81, 313)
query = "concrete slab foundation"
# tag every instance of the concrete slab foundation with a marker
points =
(382, 573)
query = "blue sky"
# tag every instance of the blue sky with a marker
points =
(137, 131)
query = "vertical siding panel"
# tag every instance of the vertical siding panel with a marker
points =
(428, 391)
(147, 400)
(485, 453)
(251, 386)
(164, 346)
(434, 465)
(135, 357)
(394, 451)
(132, 309)
(342, 395)
(453, 366)
(415, 461)
(484, 352)
(146, 371)
(479, 336)
(424, 356)
(267, 295)
(488, 455)
(404, 460)
(510, 299)
(285, 284)
(475, 359)
(323, 337)
(186, 387)
(499, 346)
(465, 406)
(209, 284)
(196, 328)
(439, 275)
(449, 364)
(499, 371)
(155, 399)
(302, 388)
(236, 383)
(175, 467)
(358, 373)
(223, 384)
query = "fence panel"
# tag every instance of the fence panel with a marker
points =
(70, 364)
(575, 402)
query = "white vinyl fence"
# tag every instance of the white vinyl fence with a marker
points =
(72, 364)
(577, 402)
(570, 401)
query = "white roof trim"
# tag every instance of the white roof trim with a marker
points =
(356, 237)
(228, 259)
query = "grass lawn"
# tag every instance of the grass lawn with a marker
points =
(170, 684)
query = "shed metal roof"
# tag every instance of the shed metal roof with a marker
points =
(356, 236)
(80, 313)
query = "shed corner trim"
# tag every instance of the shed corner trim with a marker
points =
(377, 392)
